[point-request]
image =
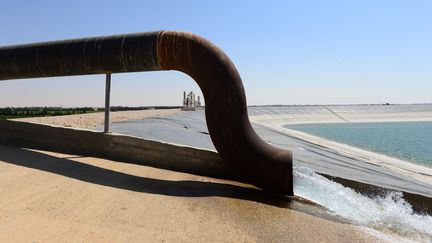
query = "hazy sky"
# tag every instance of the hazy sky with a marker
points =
(287, 52)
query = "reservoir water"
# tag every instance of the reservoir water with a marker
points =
(410, 141)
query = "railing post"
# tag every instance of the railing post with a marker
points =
(107, 102)
(251, 159)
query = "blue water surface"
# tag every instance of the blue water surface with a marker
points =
(411, 141)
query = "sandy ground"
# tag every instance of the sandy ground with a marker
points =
(90, 120)
(52, 197)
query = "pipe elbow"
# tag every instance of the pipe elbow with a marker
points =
(252, 159)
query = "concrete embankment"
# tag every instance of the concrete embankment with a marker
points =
(113, 146)
(181, 206)
(145, 152)
(138, 151)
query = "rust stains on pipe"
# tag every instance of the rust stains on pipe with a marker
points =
(226, 110)
(252, 160)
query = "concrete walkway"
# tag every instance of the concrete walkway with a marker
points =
(52, 197)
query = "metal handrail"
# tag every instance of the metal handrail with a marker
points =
(252, 159)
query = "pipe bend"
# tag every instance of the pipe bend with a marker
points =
(253, 160)
(229, 127)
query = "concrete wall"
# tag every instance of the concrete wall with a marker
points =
(113, 146)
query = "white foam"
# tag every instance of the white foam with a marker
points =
(390, 214)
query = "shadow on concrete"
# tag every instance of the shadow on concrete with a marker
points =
(102, 176)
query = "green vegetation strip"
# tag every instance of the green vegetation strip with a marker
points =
(23, 112)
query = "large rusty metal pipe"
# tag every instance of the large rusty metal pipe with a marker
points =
(252, 159)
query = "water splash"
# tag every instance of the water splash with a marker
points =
(390, 214)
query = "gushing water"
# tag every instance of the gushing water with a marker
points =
(389, 214)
